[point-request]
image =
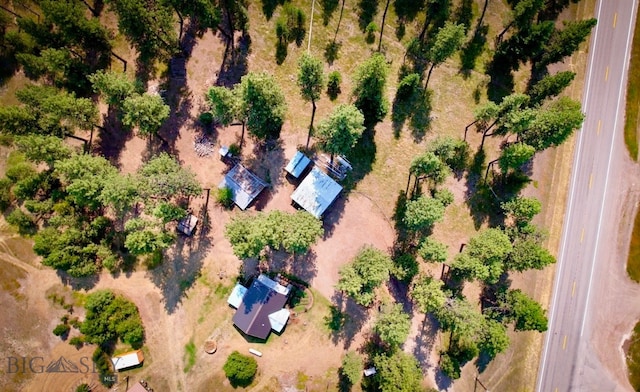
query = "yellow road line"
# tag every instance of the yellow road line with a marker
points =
(590, 180)
(582, 235)
(573, 290)
(564, 343)
(599, 126)
(606, 74)
(615, 19)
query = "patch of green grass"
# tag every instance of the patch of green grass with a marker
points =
(633, 262)
(190, 355)
(221, 291)
(633, 358)
(302, 381)
(633, 98)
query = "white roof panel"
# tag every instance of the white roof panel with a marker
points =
(279, 319)
(235, 298)
(297, 164)
(126, 360)
(316, 192)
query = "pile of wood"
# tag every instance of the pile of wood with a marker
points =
(203, 146)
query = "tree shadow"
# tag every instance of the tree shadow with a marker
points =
(357, 316)
(85, 283)
(269, 6)
(362, 157)
(425, 341)
(180, 100)
(328, 8)
(180, 269)
(112, 137)
(472, 50)
(234, 63)
(414, 107)
(464, 14)
(331, 219)
(501, 81)
(367, 10)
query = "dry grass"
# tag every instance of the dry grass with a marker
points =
(632, 116)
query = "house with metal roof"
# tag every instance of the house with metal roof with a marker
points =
(316, 192)
(245, 185)
(261, 308)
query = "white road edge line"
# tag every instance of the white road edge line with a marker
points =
(606, 181)
(566, 224)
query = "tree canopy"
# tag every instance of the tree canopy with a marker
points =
(263, 105)
(427, 293)
(398, 372)
(370, 81)
(526, 313)
(392, 325)
(342, 130)
(368, 270)
(423, 213)
(147, 112)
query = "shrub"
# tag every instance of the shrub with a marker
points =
(22, 221)
(240, 369)
(76, 341)
(206, 118)
(83, 388)
(224, 197)
(103, 364)
(371, 30)
(333, 84)
(444, 195)
(351, 368)
(405, 267)
(61, 330)
(5, 193)
(20, 171)
(234, 149)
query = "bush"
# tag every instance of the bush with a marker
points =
(333, 84)
(240, 369)
(61, 330)
(103, 364)
(5, 194)
(206, 118)
(76, 341)
(20, 171)
(224, 197)
(22, 221)
(445, 196)
(371, 30)
(234, 149)
(83, 388)
(351, 368)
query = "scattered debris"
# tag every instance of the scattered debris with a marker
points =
(203, 146)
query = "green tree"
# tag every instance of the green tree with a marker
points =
(370, 81)
(147, 112)
(514, 156)
(368, 270)
(429, 166)
(311, 81)
(491, 247)
(110, 318)
(246, 241)
(528, 254)
(427, 293)
(526, 313)
(43, 148)
(492, 118)
(433, 251)
(148, 25)
(550, 86)
(398, 372)
(392, 325)
(22, 221)
(162, 177)
(340, 132)
(240, 369)
(116, 87)
(84, 177)
(522, 16)
(521, 210)
(553, 124)
(423, 213)
(563, 43)
(351, 368)
(120, 193)
(468, 267)
(263, 105)
(452, 151)
(447, 41)
(494, 338)
(145, 237)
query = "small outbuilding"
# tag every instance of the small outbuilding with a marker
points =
(262, 307)
(244, 185)
(235, 298)
(187, 225)
(127, 360)
(316, 192)
(297, 164)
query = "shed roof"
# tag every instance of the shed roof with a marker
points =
(297, 164)
(245, 185)
(187, 224)
(137, 387)
(263, 298)
(238, 292)
(316, 192)
(127, 360)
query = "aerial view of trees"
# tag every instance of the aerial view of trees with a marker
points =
(152, 89)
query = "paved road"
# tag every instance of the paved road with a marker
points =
(567, 356)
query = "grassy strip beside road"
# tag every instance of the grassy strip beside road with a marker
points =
(633, 358)
(633, 262)
(633, 98)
